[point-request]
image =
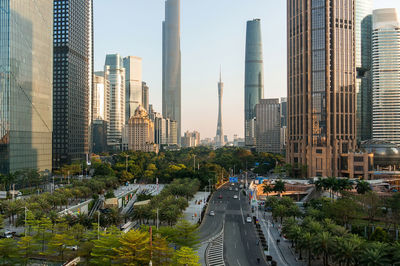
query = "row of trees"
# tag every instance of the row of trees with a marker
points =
(335, 185)
(59, 242)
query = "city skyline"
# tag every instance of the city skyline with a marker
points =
(229, 51)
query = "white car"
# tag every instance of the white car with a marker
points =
(212, 213)
(235, 196)
(236, 189)
(230, 188)
(248, 219)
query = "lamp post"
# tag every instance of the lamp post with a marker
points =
(194, 162)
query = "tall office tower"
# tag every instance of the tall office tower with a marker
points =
(72, 80)
(321, 84)
(141, 132)
(283, 123)
(114, 72)
(219, 138)
(171, 64)
(386, 75)
(145, 96)
(363, 34)
(133, 85)
(268, 126)
(26, 71)
(254, 78)
(100, 112)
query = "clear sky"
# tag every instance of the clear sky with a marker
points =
(212, 34)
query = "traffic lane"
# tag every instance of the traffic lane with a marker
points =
(240, 239)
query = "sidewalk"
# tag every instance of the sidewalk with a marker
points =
(193, 212)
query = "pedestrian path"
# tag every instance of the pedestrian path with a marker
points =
(196, 205)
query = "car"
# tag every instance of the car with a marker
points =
(241, 186)
(248, 219)
(212, 213)
(230, 188)
(220, 196)
(235, 196)
(236, 189)
(73, 248)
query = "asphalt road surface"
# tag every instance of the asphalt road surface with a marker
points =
(240, 240)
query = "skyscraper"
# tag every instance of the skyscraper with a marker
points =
(254, 78)
(100, 112)
(72, 80)
(219, 138)
(321, 84)
(386, 75)
(268, 126)
(26, 49)
(363, 34)
(171, 64)
(114, 72)
(145, 96)
(133, 85)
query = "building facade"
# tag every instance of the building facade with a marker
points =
(100, 97)
(254, 78)
(386, 75)
(219, 138)
(321, 84)
(363, 34)
(26, 73)
(283, 123)
(140, 132)
(171, 64)
(114, 72)
(133, 85)
(191, 139)
(72, 79)
(268, 126)
(145, 96)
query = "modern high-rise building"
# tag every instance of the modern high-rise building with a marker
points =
(171, 64)
(254, 78)
(133, 85)
(26, 73)
(219, 138)
(140, 132)
(100, 97)
(268, 126)
(191, 139)
(145, 96)
(386, 75)
(72, 79)
(321, 84)
(114, 72)
(363, 34)
(283, 123)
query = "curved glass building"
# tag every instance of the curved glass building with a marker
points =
(386, 75)
(254, 77)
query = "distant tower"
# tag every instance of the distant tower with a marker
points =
(220, 131)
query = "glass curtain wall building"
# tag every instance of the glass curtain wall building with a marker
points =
(114, 72)
(72, 80)
(254, 78)
(363, 34)
(26, 69)
(171, 64)
(133, 85)
(386, 75)
(321, 84)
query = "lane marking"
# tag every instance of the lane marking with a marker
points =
(242, 214)
(238, 262)
(275, 246)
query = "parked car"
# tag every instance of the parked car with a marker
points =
(220, 196)
(248, 219)
(212, 213)
(235, 196)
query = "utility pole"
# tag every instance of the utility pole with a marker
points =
(157, 219)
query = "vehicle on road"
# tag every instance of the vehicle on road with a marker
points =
(248, 219)
(220, 196)
(236, 189)
(235, 196)
(230, 188)
(241, 186)
(212, 213)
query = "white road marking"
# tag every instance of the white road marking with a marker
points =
(238, 262)
(275, 246)
(242, 214)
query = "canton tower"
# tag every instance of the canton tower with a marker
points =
(219, 139)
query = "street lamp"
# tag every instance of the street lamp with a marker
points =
(194, 162)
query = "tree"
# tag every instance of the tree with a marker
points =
(323, 245)
(307, 242)
(59, 243)
(134, 248)
(267, 188)
(185, 234)
(161, 252)
(186, 256)
(42, 230)
(26, 248)
(347, 249)
(363, 187)
(375, 254)
(8, 250)
(104, 248)
(279, 187)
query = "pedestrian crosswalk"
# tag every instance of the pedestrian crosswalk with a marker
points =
(215, 251)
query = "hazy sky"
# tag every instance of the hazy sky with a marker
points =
(212, 34)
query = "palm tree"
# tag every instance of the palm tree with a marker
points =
(395, 252)
(344, 184)
(279, 187)
(307, 242)
(267, 188)
(347, 249)
(363, 187)
(375, 255)
(323, 245)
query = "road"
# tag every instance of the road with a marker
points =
(240, 240)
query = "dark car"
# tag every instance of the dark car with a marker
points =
(220, 196)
